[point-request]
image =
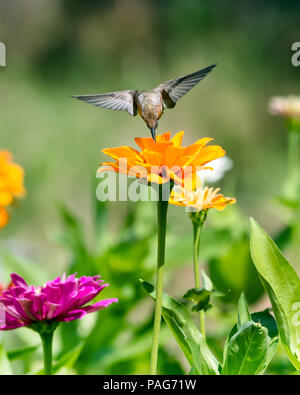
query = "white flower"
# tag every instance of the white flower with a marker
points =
(288, 106)
(220, 167)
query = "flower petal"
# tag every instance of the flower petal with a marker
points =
(100, 305)
(18, 281)
(124, 152)
(71, 316)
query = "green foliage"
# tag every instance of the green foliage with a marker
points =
(24, 267)
(243, 311)
(267, 320)
(283, 286)
(231, 228)
(200, 297)
(186, 333)
(66, 362)
(21, 352)
(248, 350)
(236, 260)
(250, 345)
(127, 255)
(5, 368)
(42, 75)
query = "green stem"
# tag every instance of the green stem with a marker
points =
(162, 209)
(197, 227)
(47, 339)
(292, 181)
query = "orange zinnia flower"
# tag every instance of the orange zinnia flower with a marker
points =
(164, 160)
(201, 199)
(3, 217)
(11, 184)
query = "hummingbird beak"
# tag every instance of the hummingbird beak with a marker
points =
(153, 133)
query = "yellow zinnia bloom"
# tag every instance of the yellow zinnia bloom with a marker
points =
(164, 160)
(200, 199)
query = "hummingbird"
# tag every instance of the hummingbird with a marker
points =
(150, 103)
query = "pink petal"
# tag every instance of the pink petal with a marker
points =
(100, 305)
(71, 316)
(18, 280)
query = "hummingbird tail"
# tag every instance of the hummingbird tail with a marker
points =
(153, 133)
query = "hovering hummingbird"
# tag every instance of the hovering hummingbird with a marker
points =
(149, 103)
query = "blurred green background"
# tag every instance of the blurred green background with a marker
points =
(59, 48)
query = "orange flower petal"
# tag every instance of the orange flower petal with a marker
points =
(163, 137)
(177, 139)
(165, 158)
(153, 158)
(3, 217)
(209, 153)
(123, 152)
(6, 198)
(5, 156)
(191, 149)
(11, 183)
(145, 143)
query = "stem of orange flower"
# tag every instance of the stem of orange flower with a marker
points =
(162, 209)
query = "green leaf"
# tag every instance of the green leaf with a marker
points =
(69, 359)
(127, 255)
(247, 351)
(267, 320)
(283, 286)
(5, 368)
(21, 352)
(290, 203)
(201, 296)
(186, 333)
(243, 311)
(193, 371)
(66, 361)
(273, 344)
(31, 272)
(206, 281)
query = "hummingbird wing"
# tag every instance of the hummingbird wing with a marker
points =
(173, 90)
(122, 100)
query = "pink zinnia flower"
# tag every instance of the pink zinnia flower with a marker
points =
(4, 287)
(63, 299)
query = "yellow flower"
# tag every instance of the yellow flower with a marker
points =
(200, 199)
(11, 184)
(164, 160)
